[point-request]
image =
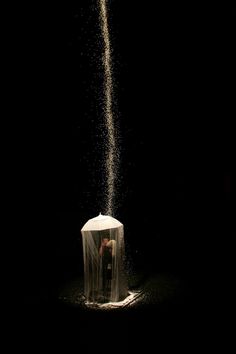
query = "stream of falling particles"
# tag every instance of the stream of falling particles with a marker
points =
(111, 153)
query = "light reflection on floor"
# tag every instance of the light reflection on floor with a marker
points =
(132, 299)
(155, 290)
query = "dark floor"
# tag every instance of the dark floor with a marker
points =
(170, 314)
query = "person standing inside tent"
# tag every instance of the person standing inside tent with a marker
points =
(106, 253)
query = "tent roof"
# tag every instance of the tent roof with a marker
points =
(101, 222)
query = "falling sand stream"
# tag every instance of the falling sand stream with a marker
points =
(111, 154)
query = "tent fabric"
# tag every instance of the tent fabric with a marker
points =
(101, 222)
(104, 275)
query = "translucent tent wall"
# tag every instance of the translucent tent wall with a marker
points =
(103, 250)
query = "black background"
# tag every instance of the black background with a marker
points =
(174, 75)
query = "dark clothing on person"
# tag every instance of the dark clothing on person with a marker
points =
(106, 269)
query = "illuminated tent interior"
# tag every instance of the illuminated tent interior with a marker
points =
(104, 276)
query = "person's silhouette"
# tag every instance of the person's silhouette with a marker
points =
(106, 253)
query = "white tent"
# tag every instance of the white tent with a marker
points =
(101, 222)
(103, 249)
